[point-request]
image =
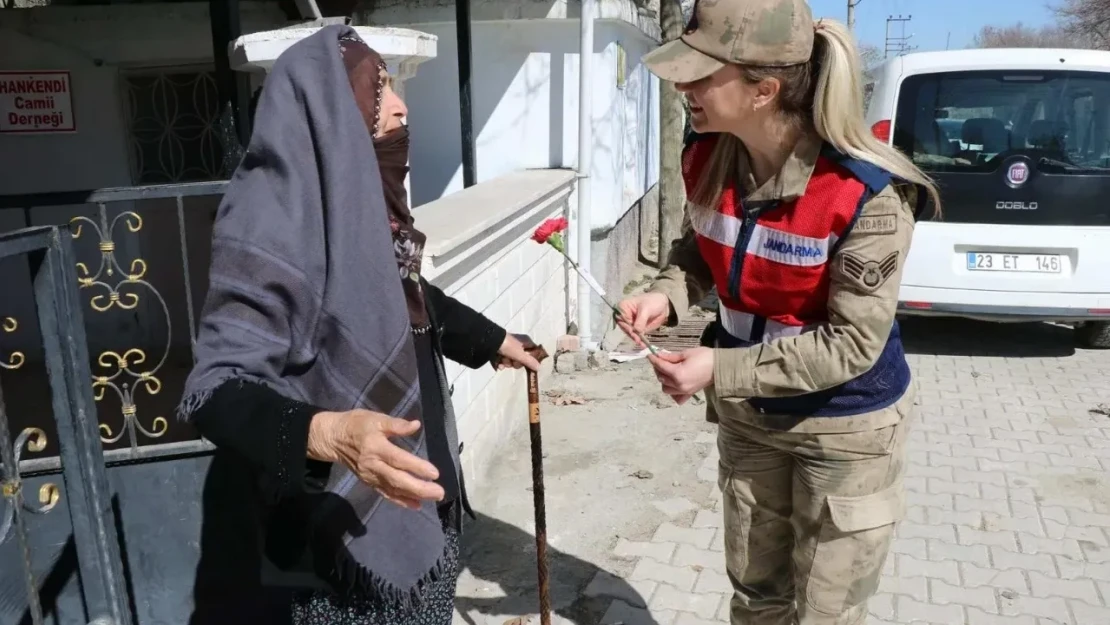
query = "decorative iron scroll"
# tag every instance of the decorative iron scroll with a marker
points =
(35, 440)
(11, 489)
(15, 359)
(11, 516)
(128, 370)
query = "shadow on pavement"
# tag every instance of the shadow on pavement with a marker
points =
(967, 337)
(504, 556)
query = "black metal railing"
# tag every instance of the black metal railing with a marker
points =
(139, 364)
(48, 251)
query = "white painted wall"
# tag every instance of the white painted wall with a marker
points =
(525, 99)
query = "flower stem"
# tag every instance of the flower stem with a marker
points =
(616, 311)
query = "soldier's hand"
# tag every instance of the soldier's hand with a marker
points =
(685, 373)
(642, 314)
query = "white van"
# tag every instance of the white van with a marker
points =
(1019, 142)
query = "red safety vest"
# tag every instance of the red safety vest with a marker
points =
(770, 262)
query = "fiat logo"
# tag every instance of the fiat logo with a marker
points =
(1018, 174)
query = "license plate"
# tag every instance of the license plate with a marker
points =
(1017, 263)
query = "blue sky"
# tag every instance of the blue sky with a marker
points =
(933, 20)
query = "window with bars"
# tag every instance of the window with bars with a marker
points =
(172, 125)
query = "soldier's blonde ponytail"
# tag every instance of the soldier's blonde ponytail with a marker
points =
(838, 108)
(825, 94)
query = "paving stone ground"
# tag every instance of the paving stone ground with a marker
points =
(1008, 489)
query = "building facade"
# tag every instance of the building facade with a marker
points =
(129, 150)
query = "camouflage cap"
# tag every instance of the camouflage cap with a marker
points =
(747, 32)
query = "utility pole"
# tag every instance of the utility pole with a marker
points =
(232, 88)
(852, 4)
(466, 113)
(901, 44)
(672, 125)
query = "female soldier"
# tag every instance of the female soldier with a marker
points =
(802, 220)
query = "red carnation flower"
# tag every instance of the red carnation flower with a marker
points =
(552, 226)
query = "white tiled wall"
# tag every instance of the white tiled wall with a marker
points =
(517, 283)
(524, 292)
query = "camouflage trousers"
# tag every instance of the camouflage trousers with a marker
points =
(809, 519)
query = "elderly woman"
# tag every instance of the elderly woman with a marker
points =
(319, 361)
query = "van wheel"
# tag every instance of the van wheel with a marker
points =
(1093, 335)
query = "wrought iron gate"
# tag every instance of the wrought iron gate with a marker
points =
(85, 483)
(102, 513)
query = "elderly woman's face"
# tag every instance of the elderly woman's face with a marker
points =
(393, 111)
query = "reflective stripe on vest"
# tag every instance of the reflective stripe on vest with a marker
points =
(784, 275)
(779, 286)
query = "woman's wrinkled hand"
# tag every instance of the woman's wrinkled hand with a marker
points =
(514, 353)
(685, 373)
(360, 440)
(642, 314)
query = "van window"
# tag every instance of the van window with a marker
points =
(970, 121)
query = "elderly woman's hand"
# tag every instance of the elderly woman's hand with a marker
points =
(514, 353)
(360, 439)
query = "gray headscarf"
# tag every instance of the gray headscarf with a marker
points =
(305, 298)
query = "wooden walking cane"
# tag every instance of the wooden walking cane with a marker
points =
(539, 353)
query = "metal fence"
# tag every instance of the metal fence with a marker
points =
(125, 373)
(82, 463)
(68, 440)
